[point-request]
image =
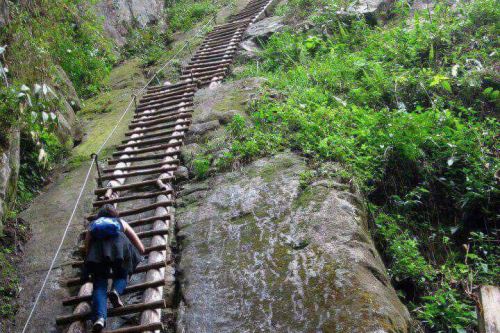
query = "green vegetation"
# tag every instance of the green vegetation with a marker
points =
(149, 44)
(40, 37)
(182, 15)
(63, 32)
(408, 109)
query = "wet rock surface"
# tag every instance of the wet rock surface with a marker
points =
(372, 10)
(9, 169)
(259, 252)
(257, 34)
(120, 15)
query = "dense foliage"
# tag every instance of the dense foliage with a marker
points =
(409, 109)
(182, 15)
(65, 32)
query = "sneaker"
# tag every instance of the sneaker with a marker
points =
(114, 298)
(98, 325)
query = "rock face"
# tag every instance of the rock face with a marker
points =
(259, 252)
(120, 15)
(373, 10)
(257, 34)
(9, 171)
(4, 12)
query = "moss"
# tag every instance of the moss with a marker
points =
(270, 171)
(106, 109)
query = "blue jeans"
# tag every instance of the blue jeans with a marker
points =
(100, 290)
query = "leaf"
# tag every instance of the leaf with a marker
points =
(42, 155)
(488, 91)
(446, 85)
(25, 88)
(45, 89)
(49, 89)
(37, 88)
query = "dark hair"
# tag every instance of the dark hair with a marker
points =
(107, 210)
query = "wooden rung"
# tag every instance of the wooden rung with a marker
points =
(154, 135)
(160, 114)
(141, 143)
(153, 327)
(166, 89)
(124, 187)
(171, 102)
(148, 149)
(161, 120)
(151, 233)
(127, 309)
(196, 69)
(147, 249)
(212, 73)
(129, 289)
(138, 210)
(100, 203)
(225, 55)
(142, 167)
(166, 97)
(143, 158)
(139, 173)
(147, 267)
(194, 64)
(139, 269)
(157, 128)
(163, 112)
(148, 220)
(230, 41)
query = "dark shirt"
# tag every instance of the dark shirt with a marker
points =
(117, 251)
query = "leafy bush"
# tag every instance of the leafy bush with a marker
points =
(63, 32)
(148, 43)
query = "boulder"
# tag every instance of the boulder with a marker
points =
(262, 30)
(4, 12)
(259, 253)
(197, 130)
(121, 15)
(9, 170)
(256, 35)
(65, 87)
(372, 10)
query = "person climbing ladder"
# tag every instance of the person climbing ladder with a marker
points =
(113, 250)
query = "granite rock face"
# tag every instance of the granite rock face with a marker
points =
(372, 10)
(258, 34)
(9, 170)
(259, 251)
(4, 12)
(261, 254)
(120, 15)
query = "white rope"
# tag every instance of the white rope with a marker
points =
(68, 224)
